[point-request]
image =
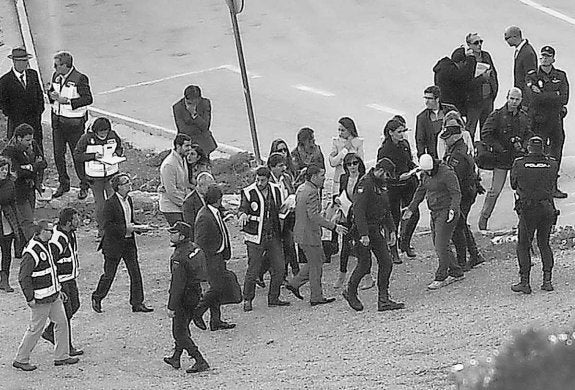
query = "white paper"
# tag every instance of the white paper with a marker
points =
(344, 202)
(480, 68)
(325, 234)
(112, 160)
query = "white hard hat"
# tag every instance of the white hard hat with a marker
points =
(426, 162)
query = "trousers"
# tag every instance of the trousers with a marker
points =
(442, 232)
(67, 132)
(71, 306)
(311, 271)
(272, 249)
(497, 182)
(181, 322)
(478, 112)
(102, 190)
(540, 220)
(462, 238)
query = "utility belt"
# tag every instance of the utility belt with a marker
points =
(535, 204)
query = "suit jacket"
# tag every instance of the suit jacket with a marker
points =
(191, 207)
(425, 133)
(209, 236)
(199, 128)
(21, 105)
(525, 61)
(114, 225)
(308, 218)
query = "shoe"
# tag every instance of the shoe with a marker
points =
(390, 305)
(66, 362)
(4, 282)
(96, 305)
(353, 300)
(559, 194)
(294, 291)
(323, 301)
(200, 366)
(408, 250)
(48, 337)
(522, 287)
(367, 282)
(199, 322)
(222, 326)
(83, 194)
(547, 286)
(60, 191)
(76, 352)
(248, 306)
(452, 279)
(340, 280)
(278, 303)
(23, 366)
(141, 308)
(436, 285)
(475, 261)
(172, 361)
(482, 223)
(260, 283)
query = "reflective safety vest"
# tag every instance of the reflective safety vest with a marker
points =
(44, 275)
(96, 168)
(68, 90)
(65, 254)
(254, 227)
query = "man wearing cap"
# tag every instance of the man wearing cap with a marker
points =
(70, 97)
(525, 59)
(549, 91)
(458, 157)
(21, 96)
(188, 266)
(193, 116)
(533, 179)
(506, 131)
(483, 88)
(453, 75)
(440, 186)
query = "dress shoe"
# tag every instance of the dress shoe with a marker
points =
(49, 337)
(222, 326)
(353, 300)
(141, 308)
(390, 305)
(522, 287)
(547, 286)
(278, 302)
(96, 305)
(65, 362)
(198, 366)
(199, 322)
(294, 291)
(23, 366)
(83, 194)
(475, 261)
(172, 361)
(248, 306)
(60, 191)
(260, 283)
(76, 352)
(408, 250)
(323, 301)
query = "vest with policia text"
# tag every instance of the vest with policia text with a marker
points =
(68, 88)
(44, 275)
(95, 168)
(256, 212)
(65, 254)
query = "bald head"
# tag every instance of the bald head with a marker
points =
(513, 36)
(203, 181)
(514, 97)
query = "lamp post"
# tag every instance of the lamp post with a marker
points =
(237, 6)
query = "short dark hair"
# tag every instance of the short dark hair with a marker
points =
(101, 124)
(213, 194)
(275, 159)
(180, 139)
(41, 225)
(263, 171)
(434, 89)
(312, 170)
(192, 92)
(115, 181)
(349, 125)
(66, 215)
(65, 58)
(202, 156)
(23, 130)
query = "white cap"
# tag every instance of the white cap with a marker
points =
(426, 162)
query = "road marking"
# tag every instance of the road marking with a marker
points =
(235, 69)
(549, 11)
(389, 110)
(320, 92)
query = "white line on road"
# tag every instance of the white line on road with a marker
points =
(389, 110)
(235, 69)
(305, 88)
(549, 11)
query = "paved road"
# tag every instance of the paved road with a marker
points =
(312, 61)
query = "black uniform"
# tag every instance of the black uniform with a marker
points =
(533, 178)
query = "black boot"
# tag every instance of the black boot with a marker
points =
(198, 315)
(200, 365)
(547, 286)
(174, 360)
(404, 247)
(523, 286)
(395, 255)
(352, 299)
(385, 304)
(5, 281)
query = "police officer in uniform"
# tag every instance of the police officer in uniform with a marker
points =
(533, 179)
(549, 90)
(375, 230)
(188, 266)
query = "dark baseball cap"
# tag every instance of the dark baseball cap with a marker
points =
(548, 50)
(181, 227)
(452, 126)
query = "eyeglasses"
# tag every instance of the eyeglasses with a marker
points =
(429, 97)
(508, 38)
(349, 164)
(477, 42)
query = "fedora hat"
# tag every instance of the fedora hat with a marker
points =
(19, 53)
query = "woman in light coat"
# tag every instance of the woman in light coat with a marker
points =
(348, 141)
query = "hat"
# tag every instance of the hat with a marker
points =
(452, 126)
(535, 142)
(548, 50)
(458, 55)
(181, 227)
(426, 162)
(19, 53)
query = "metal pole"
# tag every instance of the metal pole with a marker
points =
(245, 82)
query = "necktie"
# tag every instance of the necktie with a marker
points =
(22, 80)
(224, 231)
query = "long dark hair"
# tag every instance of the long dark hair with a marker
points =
(289, 163)
(349, 125)
(350, 157)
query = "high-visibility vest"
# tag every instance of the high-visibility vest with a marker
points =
(68, 90)
(96, 168)
(254, 227)
(65, 254)
(44, 275)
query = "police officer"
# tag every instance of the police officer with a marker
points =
(549, 90)
(188, 264)
(533, 179)
(373, 224)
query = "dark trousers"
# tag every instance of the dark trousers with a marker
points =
(462, 238)
(553, 134)
(6, 247)
(172, 218)
(290, 253)
(181, 322)
(441, 233)
(378, 246)
(399, 198)
(272, 249)
(211, 300)
(26, 210)
(347, 249)
(67, 132)
(111, 261)
(538, 219)
(478, 112)
(71, 306)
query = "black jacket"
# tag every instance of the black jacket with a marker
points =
(401, 156)
(426, 133)
(547, 105)
(371, 206)
(475, 92)
(463, 164)
(454, 81)
(534, 176)
(21, 105)
(114, 225)
(27, 164)
(187, 264)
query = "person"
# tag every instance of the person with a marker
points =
(506, 131)
(89, 151)
(459, 158)
(193, 117)
(278, 145)
(532, 178)
(21, 95)
(305, 154)
(483, 88)
(211, 235)
(197, 162)
(525, 60)
(10, 228)
(397, 149)
(307, 234)
(174, 180)
(440, 186)
(375, 230)
(28, 164)
(259, 217)
(429, 121)
(64, 247)
(549, 91)
(70, 95)
(442, 147)
(347, 141)
(187, 264)
(453, 75)
(44, 296)
(119, 243)
(195, 200)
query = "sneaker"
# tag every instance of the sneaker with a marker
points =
(436, 285)
(453, 279)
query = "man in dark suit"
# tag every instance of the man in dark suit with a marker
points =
(212, 236)
(21, 96)
(193, 116)
(525, 60)
(119, 243)
(195, 199)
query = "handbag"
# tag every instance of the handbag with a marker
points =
(232, 292)
(485, 157)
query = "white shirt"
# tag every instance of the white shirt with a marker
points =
(127, 212)
(19, 75)
(518, 48)
(225, 238)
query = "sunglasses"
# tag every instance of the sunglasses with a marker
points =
(349, 164)
(477, 42)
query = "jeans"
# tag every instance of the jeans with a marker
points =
(497, 182)
(67, 131)
(538, 219)
(272, 248)
(478, 112)
(441, 232)
(463, 239)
